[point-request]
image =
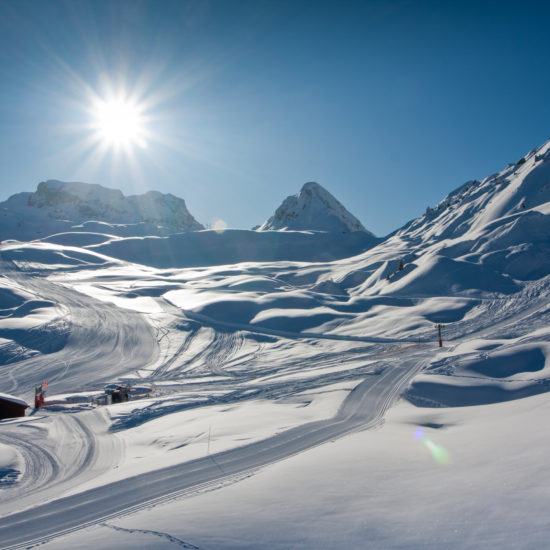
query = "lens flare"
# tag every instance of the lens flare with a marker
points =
(219, 226)
(439, 453)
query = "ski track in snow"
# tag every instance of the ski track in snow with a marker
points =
(363, 409)
(52, 465)
(73, 453)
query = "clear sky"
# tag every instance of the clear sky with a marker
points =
(389, 105)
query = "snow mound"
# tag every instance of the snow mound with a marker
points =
(506, 373)
(313, 208)
(74, 238)
(503, 364)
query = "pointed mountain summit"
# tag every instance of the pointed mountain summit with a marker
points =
(315, 209)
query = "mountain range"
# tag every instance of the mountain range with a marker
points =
(57, 207)
(308, 226)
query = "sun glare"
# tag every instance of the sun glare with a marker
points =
(119, 123)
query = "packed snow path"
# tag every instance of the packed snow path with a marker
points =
(76, 451)
(363, 408)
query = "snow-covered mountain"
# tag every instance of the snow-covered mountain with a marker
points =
(313, 209)
(58, 206)
(501, 222)
(485, 235)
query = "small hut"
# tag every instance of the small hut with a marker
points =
(118, 393)
(11, 407)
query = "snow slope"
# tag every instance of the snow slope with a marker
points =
(297, 404)
(313, 208)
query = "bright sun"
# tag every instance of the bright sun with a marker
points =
(119, 122)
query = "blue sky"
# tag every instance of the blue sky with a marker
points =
(388, 105)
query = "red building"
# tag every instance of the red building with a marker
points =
(11, 407)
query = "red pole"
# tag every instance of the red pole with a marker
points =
(38, 397)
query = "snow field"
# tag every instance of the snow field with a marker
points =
(379, 489)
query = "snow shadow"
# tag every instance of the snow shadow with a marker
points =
(435, 394)
(502, 365)
(207, 248)
(502, 376)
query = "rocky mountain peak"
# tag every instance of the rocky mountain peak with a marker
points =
(314, 209)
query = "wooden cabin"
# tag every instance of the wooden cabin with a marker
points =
(11, 407)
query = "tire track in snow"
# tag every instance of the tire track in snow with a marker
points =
(84, 443)
(51, 460)
(165, 368)
(225, 345)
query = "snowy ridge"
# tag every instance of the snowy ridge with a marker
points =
(501, 222)
(519, 188)
(314, 209)
(486, 236)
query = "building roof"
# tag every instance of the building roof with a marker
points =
(12, 399)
